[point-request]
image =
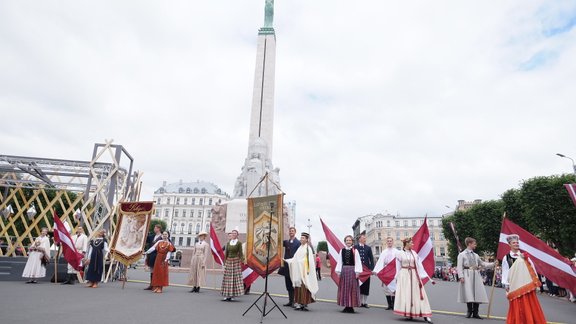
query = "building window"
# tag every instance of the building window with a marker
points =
(188, 241)
(209, 213)
(398, 235)
(175, 213)
(405, 223)
(157, 213)
(182, 228)
(387, 223)
(199, 214)
(414, 223)
(377, 250)
(184, 213)
(168, 201)
(442, 251)
(441, 236)
(196, 190)
(188, 190)
(203, 190)
(192, 213)
(432, 223)
(207, 227)
(185, 201)
(177, 201)
(197, 228)
(406, 234)
(166, 212)
(193, 201)
(159, 201)
(432, 236)
(180, 190)
(201, 201)
(190, 228)
(379, 236)
(180, 241)
(397, 223)
(210, 201)
(174, 228)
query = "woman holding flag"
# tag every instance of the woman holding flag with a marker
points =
(411, 299)
(348, 267)
(232, 284)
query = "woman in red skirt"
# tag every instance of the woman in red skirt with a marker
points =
(163, 251)
(348, 267)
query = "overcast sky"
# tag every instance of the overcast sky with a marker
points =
(397, 106)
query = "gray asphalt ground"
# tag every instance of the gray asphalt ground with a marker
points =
(55, 303)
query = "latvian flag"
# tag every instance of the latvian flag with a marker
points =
(571, 187)
(61, 235)
(248, 275)
(334, 247)
(425, 249)
(547, 261)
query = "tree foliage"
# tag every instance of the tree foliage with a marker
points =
(322, 246)
(154, 221)
(541, 205)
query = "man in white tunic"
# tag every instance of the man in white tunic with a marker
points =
(80, 241)
(471, 289)
(387, 256)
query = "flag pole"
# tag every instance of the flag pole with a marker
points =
(494, 276)
(56, 264)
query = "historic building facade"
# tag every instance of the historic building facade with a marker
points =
(186, 208)
(380, 226)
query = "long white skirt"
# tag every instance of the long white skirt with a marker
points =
(408, 302)
(34, 267)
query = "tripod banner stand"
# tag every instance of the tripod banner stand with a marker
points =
(264, 244)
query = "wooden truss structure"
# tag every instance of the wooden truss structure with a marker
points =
(81, 192)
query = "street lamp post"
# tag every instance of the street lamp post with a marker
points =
(571, 159)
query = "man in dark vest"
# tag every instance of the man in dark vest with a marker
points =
(151, 257)
(367, 260)
(290, 246)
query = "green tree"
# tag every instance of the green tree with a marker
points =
(155, 221)
(322, 246)
(549, 212)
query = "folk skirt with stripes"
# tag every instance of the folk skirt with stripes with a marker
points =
(232, 284)
(302, 295)
(348, 291)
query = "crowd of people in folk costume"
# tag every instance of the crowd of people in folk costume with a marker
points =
(406, 295)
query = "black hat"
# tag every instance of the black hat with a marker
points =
(305, 234)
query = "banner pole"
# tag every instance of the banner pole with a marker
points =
(494, 275)
(56, 265)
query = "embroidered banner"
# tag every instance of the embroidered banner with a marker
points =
(131, 229)
(264, 216)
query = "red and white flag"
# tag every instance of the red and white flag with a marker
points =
(425, 249)
(422, 246)
(61, 235)
(571, 187)
(334, 247)
(248, 275)
(547, 261)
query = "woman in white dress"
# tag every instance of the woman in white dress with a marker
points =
(411, 299)
(39, 251)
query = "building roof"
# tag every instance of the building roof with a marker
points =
(197, 187)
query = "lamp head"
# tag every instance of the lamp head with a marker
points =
(560, 155)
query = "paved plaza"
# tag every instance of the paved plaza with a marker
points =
(54, 303)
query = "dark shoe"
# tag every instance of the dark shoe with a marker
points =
(298, 308)
(289, 304)
(148, 288)
(304, 308)
(476, 316)
(389, 307)
(365, 306)
(427, 320)
(197, 289)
